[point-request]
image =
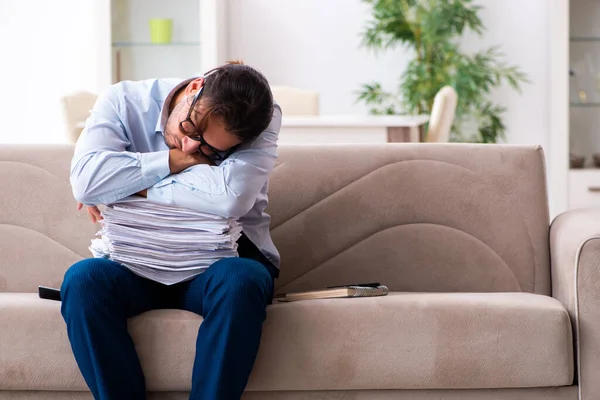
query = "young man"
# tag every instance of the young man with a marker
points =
(208, 144)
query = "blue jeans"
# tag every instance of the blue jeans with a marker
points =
(98, 296)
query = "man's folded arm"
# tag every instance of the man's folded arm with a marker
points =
(230, 189)
(102, 171)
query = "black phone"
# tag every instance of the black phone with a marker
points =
(370, 284)
(49, 293)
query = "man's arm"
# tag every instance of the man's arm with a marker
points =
(102, 172)
(230, 189)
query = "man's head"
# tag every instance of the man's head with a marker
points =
(229, 106)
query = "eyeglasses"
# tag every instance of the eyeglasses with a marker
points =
(188, 128)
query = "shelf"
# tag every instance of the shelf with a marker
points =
(584, 39)
(585, 105)
(150, 44)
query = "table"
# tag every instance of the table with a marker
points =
(352, 129)
(349, 129)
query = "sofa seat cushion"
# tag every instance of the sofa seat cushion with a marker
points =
(400, 341)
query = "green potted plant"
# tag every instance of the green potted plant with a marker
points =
(431, 29)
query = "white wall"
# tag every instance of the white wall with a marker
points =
(314, 44)
(311, 44)
(48, 50)
(558, 83)
(521, 29)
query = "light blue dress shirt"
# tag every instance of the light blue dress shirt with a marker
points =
(122, 151)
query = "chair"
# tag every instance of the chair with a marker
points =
(76, 108)
(442, 115)
(295, 101)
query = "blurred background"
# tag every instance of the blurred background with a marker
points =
(51, 49)
(501, 70)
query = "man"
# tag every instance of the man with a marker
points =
(208, 144)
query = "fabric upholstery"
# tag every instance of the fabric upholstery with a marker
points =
(41, 232)
(400, 341)
(575, 242)
(428, 219)
(560, 393)
(416, 340)
(563, 393)
(419, 217)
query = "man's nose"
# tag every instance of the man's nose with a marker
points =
(189, 145)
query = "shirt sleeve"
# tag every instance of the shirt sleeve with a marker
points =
(230, 189)
(102, 171)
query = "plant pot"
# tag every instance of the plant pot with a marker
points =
(161, 30)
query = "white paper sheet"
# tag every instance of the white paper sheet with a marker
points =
(164, 243)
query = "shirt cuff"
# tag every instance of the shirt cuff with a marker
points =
(155, 166)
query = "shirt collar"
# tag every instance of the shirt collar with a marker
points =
(164, 112)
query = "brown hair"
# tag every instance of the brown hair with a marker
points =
(241, 96)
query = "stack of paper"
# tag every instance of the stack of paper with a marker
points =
(165, 243)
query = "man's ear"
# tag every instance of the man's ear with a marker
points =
(194, 86)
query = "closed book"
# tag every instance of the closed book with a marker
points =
(333, 293)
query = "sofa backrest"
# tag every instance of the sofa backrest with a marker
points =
(435, 217)
(416, 217)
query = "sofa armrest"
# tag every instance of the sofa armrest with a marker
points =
(575, 257)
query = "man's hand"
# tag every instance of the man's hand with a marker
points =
(179, 161)
(93, 212)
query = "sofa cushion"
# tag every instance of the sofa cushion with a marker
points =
(400, 341)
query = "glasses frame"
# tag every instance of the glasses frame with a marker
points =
(216, 154)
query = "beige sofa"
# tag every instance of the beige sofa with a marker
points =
(486, 293)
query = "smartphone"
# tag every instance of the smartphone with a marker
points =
(49, 293)
(370, 284)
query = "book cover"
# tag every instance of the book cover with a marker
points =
(334, 292)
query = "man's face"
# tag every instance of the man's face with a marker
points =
(215, 134)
